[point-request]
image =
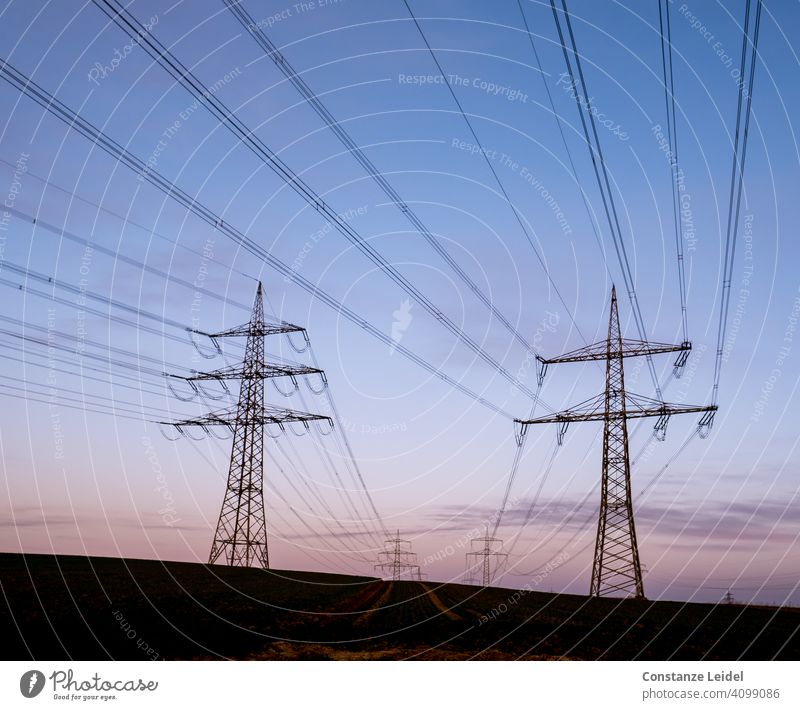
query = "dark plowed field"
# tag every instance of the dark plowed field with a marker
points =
(64, 607)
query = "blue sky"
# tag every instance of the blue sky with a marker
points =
(724, 512)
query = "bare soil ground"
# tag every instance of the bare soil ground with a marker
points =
(95, 608)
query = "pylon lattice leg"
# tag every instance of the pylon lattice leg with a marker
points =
(241, 535)
(616, 565)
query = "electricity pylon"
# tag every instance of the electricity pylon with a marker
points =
(616, 566)
(728, 598)
(241, 535)
(480, 560)
(399, 562)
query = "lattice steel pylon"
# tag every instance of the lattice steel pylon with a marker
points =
(241, 534)
(398, 561)
(487, 560)
(616, 566)
(728, 598)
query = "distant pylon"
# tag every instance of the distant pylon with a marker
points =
(616, 566)
(728, 598)
(398, 561)
(241, 535)
(484, 563)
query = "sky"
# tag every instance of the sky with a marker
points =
(101, 273)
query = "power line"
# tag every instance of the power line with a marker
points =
(300, 471)
(184, 76)
(125, 219)
(31, 392)
(585, 499)
(558, 119)
(515, 466)
(534, 502)
(85, 293)
(322, 537)
(299, 467)
(103, 404)
(51, 333)
(33, 388)
(79, 407)
(118, 256)
(79, 342)
(259, 328)
(83, 308)
(82, 126)
(353, 148)
(91, 295)
(333, 470)
(164, 275)
(51, 344)
(603, 183)
(351, 459)
(672, 137)
(92, 356)
(499, 182)
(734, 202)
(51, 359)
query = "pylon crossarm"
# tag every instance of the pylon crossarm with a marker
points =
(230, 417)
(585, 411)
(400, 558)
(485, 540)
(662, 410)
(257, 330)
(260, 372)
(639, 405)
(398, 541)
(636, 407)
(273, 415)
(630, 348)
